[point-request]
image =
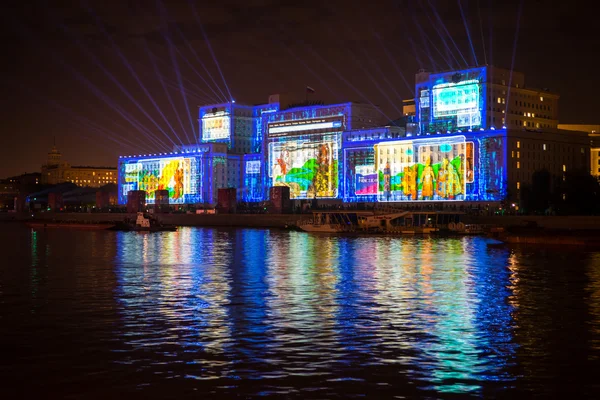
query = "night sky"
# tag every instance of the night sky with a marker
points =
(110, 78)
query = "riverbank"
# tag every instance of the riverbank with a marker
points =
(283, 220)
(208, 220)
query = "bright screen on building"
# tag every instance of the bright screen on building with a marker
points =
(436, 169)
(173, 174)
(453, 101)
(216, 126)
(308, 165)
(459, 100)
(253, 167)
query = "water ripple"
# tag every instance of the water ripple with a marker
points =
(254, 313)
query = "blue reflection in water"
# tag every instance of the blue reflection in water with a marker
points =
(259, 304)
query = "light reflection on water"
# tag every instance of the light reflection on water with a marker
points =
(259, 312)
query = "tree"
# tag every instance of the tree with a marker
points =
(538, 197)
(580, 193)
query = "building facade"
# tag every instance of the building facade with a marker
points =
(593, 132)
(478, 135)
(57, 171)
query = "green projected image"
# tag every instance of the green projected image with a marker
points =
(308, 168)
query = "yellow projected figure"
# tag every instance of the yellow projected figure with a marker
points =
(406, 181)
(454, 185)
(427, 179)
(409, 182)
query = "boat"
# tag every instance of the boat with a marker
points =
(462, 229)
(329, 222)
(145, 223)
(69, 225)
(387, 220)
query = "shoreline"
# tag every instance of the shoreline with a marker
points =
(545, 223)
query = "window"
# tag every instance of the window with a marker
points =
(499, 100)
(544, 146)
(518, 144)
(518, 185)
(512, 155)
(541, 98)
(518, 165)
(564, 168)
(524, 123)
(518, 154)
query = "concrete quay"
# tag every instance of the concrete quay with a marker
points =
(208, 220)
(281, 220)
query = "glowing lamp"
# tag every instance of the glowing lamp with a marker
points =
(481, 129)
(492, 128)
(470, 130)
(447, 131)
(503, 127)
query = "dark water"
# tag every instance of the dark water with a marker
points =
(248, 313)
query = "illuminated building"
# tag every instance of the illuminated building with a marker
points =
(482, 97)
(56, 171)
(593, 132)
(477, 135)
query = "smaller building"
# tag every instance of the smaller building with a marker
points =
(593, 132)
(57, 171)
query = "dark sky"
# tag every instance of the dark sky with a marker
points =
(108, 78)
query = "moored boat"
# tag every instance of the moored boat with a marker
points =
(387, 221)
(144, 223)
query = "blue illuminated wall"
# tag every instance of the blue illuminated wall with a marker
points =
(452, 101)
(252, 173)
(258, 113)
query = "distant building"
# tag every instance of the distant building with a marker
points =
(16, 186)
(593, 132)
(57, 171)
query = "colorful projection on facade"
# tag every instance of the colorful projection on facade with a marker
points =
(178, 175)
(424, 169)
(366, 180)
(308, 165)
(453, 101)
(216, 126)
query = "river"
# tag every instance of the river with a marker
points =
(249, 313)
